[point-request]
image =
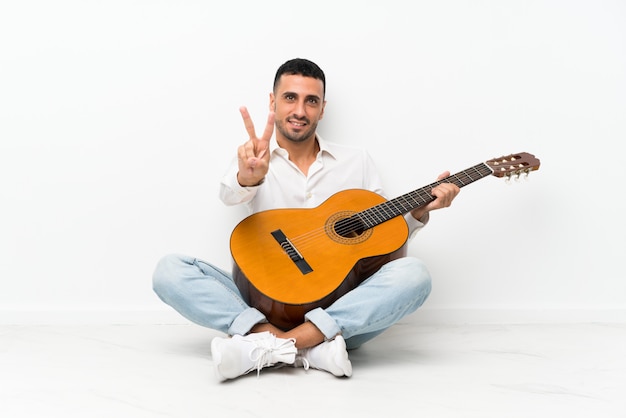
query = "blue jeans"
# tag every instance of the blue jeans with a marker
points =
(209, 297)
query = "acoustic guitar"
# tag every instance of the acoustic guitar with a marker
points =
(290, 261)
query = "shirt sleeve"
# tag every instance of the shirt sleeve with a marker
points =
(371, 176)
(415, 225)
(231, 192)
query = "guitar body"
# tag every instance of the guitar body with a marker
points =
(326, 260)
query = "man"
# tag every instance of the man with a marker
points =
(299, 169)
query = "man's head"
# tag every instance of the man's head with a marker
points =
(298, 100)
(303, 67)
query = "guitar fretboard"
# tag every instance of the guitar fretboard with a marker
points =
(422, 196)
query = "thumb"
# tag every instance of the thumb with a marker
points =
(443, 175)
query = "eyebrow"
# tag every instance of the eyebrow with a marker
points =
(308, 96)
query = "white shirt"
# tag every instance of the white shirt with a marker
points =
(336, 168)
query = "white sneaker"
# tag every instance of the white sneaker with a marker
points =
(330, 356)
(239, 355)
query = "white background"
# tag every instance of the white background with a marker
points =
(118, 118)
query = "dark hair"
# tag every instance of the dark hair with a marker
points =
(303, 67)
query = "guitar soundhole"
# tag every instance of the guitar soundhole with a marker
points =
(349, 227)
(346, 228)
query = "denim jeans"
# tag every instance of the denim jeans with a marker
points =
(208, 296)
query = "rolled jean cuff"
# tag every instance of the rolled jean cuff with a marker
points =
(245, 321)
(323, 322)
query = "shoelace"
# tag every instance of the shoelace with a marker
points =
(305, 362)
(265, 352)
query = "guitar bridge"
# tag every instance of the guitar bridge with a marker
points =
(292, 251)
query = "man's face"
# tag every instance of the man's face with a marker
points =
(298, 104)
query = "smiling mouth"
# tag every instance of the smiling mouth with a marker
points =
(297, 124)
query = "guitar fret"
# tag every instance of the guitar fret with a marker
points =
(406, 205)
(398, 207)
(458, 178)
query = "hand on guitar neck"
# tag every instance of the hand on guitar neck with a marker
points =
(444, 194)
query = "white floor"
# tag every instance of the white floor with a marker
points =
(503, 371)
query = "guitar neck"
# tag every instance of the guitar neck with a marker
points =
(420, 197)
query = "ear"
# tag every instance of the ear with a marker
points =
(323, 108)
(272, 102)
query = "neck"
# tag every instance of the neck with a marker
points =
(302, 154)
(300, 149)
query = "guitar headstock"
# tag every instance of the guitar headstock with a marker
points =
(513, 165)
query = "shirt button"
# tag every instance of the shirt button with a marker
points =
(309, 195)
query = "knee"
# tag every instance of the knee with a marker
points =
(417, 280)
(164, 274)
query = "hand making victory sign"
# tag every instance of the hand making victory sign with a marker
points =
(254, 155)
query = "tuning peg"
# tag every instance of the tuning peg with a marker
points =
(527, 173)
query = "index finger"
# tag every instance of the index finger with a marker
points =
(269, 128)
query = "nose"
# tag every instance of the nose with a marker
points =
(299, 109)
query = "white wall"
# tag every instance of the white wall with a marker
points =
(117, 119)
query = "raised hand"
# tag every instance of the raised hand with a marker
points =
(254, 155)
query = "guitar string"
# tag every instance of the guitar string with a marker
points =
(354, 223)
(310, 239)
(381, 212)
(350, 224)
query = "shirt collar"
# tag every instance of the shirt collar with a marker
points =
(325, 147)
